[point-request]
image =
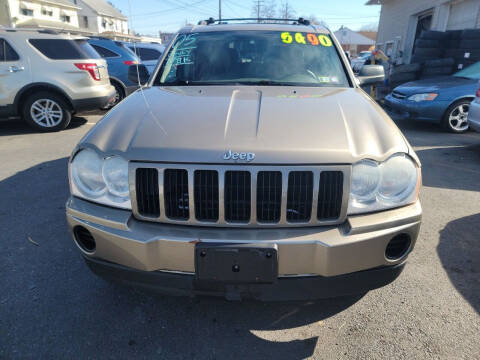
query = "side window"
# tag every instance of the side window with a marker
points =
(104, 52)
(65, 49)
(6, 52)
(148, 54)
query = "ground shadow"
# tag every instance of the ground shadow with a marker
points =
(459, 252)
(18, 127)
(51, 306)
(451, 167)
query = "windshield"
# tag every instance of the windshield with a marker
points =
(253, 57)
(471, 72)
(365, 55)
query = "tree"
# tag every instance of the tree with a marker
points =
(263, 9)
(370, 27)
(286, 11)
(314, 20)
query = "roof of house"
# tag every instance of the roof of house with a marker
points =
(101, 7)
(65, 3)
(47, 24)
(369, 34)
(347, 36)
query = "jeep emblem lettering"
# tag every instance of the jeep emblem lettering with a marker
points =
(244, 156)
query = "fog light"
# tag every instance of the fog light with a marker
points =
(398, 247)
(84, 239)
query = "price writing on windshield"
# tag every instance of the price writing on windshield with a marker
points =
(301, 38)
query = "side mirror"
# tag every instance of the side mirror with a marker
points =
(141, 74)
(371, 74)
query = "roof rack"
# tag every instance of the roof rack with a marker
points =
(299, 21)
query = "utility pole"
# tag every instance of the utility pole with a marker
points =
(220, 10)
(258, 6)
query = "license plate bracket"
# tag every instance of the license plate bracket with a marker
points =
(236, 263)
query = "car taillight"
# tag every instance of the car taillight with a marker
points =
(130, 62)
(477, 94)
(92, 69)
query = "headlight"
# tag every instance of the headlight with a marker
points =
(103, 180)
(423, 97)
(381, 186)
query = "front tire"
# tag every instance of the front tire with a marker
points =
(455, 118)
(46, 111)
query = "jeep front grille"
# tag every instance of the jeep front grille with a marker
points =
(242, 195)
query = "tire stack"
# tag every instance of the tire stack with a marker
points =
(429, 46)
(404, 73)
(464, 47)
(437, 67)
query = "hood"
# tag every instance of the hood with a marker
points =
(433, 85)
(280, 125)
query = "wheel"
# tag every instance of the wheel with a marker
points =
(119, 95)
(46, 111)
(455, 118)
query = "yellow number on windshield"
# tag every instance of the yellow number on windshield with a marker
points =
(299, 38)
(325, 40)
(286, 37)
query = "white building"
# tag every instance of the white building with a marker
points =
(98, 16)
(48, 14)
(353, 41)
(401, 21)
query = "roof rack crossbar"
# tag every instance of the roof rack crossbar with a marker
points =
(211, 20)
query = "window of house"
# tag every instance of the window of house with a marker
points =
(6, 52)
(47, 12)
(85, 21)
(65, 18)
(27, 12)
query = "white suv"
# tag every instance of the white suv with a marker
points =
(45, 77)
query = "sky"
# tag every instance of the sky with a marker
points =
(148, 17)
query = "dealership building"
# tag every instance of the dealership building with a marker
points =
(402, 21)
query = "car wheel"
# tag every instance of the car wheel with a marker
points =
(46, 111)
(455, 118)
(119, 95)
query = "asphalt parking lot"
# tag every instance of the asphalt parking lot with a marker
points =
(51, 306)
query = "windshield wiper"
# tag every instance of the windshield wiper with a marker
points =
(265, 83)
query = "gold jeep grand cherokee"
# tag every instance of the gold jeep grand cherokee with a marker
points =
(251, 164)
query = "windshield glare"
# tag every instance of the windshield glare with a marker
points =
(471, 72)
(253, 57)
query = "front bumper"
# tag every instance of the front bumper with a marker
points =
(431, 111)
(311, 252)
(474, 115)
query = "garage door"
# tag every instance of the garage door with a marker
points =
(463, 15)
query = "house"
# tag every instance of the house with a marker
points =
(58, 15)
(101, 18)
(353, 41)
(401, 22)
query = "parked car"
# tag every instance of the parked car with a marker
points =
(251, 165)
(359, 61)
(474, 112)
(444, 100)
(45, 77)
(119, 58)
(149, 53)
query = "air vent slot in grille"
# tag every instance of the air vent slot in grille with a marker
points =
(206, 195)
(237, 196)
(299, 196)
(330, 194)
(146, 185)
(269, 196)
(175, 188)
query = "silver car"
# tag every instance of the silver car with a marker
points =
(46, 77)
(250, 165)
(474, 112)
